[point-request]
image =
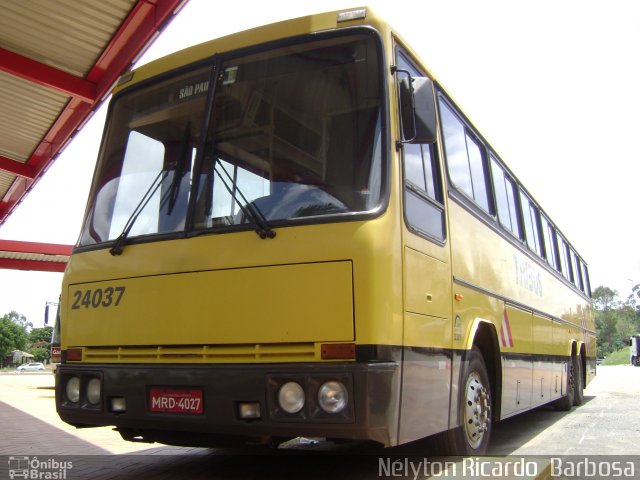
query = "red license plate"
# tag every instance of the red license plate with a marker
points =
(176, 400)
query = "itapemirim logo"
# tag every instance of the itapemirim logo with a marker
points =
(38, 469)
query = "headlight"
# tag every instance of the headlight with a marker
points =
(73, 389)
(333, 397)
(291, 397)
(94, 391)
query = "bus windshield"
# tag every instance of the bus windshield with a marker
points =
(294, 131)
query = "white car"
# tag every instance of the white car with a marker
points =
(30, 367)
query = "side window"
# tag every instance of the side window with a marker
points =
(424, 207)
(564, 259)
(421, 170)
(530, 215)
(585, 277)
(549, 242)
(465, 158)
(577, 278)
(505, 198)
(476, 163)
(513, 206)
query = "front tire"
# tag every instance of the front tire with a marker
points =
(474, 410)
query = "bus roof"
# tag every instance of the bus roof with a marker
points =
(259, 35)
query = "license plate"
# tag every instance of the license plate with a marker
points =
(176, 400)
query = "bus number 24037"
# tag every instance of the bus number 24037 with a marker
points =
(98, 297)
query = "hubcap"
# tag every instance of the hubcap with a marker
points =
(477, 411)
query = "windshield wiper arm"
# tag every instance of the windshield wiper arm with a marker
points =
(118, 245)
(249, 209)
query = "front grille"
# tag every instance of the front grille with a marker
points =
(247, 353)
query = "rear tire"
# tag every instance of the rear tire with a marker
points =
(474, 410)
(578, 388)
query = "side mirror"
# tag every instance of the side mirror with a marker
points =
(417, 109)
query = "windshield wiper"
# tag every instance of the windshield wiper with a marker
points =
(249, 209)
(118, 245)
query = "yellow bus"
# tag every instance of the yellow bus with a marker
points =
(294, 231)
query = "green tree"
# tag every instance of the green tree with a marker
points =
(40, 354)
(604, 298)
(616, 320)
(606, 331)
(625, 324)
(13, 333)
(37, 335)
(40, 343)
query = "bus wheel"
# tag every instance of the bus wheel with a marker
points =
(472, 436)
(578, 384)
(565, 403)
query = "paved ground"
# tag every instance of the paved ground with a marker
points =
(607, 423)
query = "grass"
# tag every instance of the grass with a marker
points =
(619, 357)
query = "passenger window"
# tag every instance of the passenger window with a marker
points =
(477, 173)
(465, 159)
(577, 280)
(564, 260)
(585, 278)
(502, 204)
(456, 150)
(549, 242)
(505, 199)
(513, 206)
(530, 215)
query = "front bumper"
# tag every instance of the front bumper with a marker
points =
(371, 413)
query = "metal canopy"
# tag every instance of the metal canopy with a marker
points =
(47, 257)
(58, 61)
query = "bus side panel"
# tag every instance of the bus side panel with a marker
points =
(427, 338)
(543, 361)
(559, 342)
(426, 378)
(517, 368)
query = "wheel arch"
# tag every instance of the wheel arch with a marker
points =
(485, 337)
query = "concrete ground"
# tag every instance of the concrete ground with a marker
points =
(604, 424)
(608, 423)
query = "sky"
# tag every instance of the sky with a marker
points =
(552, 85)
